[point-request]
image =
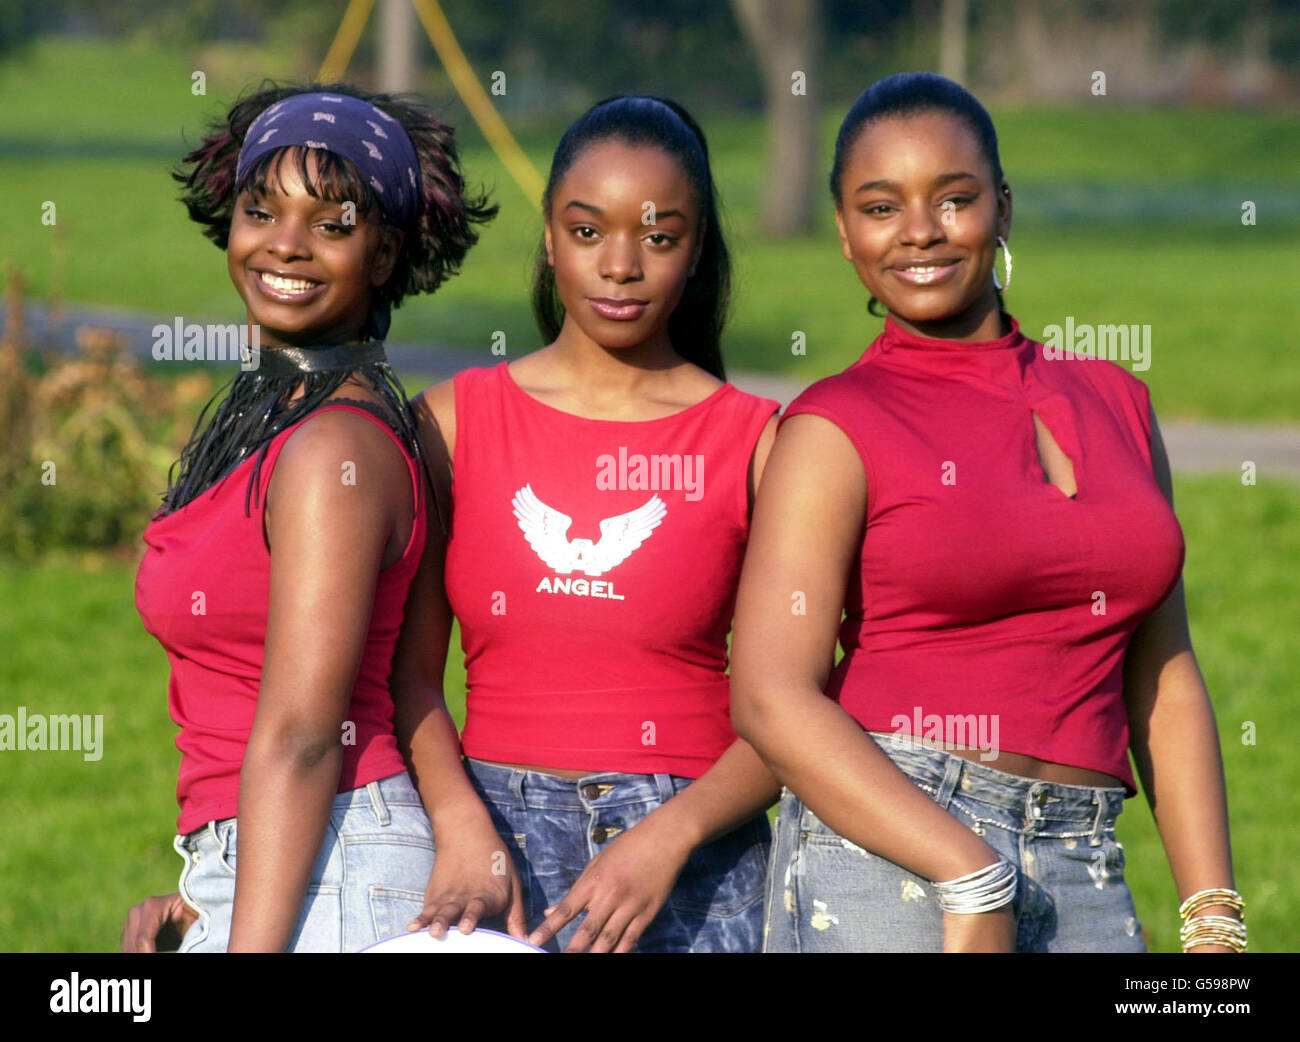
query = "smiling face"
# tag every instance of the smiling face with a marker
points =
(918, 217)
(618, 277)
(304, 275)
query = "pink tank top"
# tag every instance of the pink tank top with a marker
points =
(988, 607)
(203, 590)
(593, 565)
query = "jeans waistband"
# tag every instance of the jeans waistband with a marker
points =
(394, 791)
(1039, 801)
(524, 788)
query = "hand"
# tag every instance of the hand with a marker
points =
(980, 931)
(622, 889)
(157, 922)
(473, 877)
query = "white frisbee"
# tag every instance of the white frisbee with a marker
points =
(453, 942)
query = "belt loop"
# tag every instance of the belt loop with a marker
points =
(212, 831)
(1034, 800)
(377, 803)
(1095, 839)
(666, 790)
(517, 788)
(951, 774)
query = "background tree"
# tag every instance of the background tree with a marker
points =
(786, 36)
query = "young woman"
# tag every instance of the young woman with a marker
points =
(278, 566)
(997, 525)
(601, 490)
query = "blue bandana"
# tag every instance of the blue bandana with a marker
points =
(372, 139)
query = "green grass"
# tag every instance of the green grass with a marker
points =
(82, 841)
(1128, 216)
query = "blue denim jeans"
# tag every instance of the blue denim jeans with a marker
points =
(554, 826)
(367, 884)
(827, 894)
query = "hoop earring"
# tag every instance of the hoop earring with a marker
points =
(1003, 243)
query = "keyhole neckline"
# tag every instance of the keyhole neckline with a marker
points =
(1037, 422)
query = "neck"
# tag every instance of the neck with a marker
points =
(982, 321)
(613, 368)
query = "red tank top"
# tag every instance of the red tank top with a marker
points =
(215, 642)
(593, 565)
(986, 598)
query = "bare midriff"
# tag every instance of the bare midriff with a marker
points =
(1039, 770)
(559, 772)
(1012, 763)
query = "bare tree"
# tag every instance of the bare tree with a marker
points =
(786, 36)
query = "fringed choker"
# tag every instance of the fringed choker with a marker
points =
(291, 361)
(261, 404)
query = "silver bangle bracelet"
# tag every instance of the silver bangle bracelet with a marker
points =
(983, 890)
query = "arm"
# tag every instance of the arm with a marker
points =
(1174, 738)
(473, 874)
(806, 537)
(625, 885)
(327, 544)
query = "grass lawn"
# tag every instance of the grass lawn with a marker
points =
(83, 840)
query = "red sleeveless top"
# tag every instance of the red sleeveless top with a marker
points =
(215, 641)
(987, 603)
(593, 566)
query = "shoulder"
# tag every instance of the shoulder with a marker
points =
(842, 394)
(438, 402)
(338, 442)
(311, 491)
(435, 407)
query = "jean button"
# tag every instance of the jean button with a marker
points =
(598, 834)
(590, 791)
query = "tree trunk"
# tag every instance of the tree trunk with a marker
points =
(786, 36)
(952, 40)
(397, 42)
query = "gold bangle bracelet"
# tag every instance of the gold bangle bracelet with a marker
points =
(1207, 898)
(1213, 929)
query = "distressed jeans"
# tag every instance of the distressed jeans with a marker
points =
(368, 881)
(826, 894)
(554, 826)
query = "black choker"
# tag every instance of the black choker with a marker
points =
(290, 361)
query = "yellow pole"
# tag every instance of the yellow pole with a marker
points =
(345, 41)
(477, 101)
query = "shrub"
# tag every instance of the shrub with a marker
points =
(85, 444)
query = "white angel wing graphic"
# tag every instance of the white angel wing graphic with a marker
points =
(623, 533)
(545, 529)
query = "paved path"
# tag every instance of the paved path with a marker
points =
(1194, 446)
